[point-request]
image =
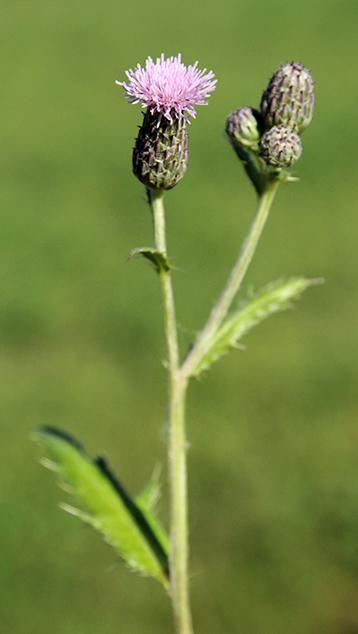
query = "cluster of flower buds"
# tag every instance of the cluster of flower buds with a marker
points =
(286, 109)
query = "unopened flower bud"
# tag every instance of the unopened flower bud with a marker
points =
(243, 127)
(280, 146)
(160, 154)
(289, 98)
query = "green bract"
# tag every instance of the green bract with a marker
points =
(160, 155)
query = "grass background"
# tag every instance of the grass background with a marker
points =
(273, 430)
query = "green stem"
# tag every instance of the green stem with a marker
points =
(177, 451)
(155, 197)
(233, 283)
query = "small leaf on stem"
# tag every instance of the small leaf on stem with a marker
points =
(156, 257)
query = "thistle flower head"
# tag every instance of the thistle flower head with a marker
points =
(289, 97)
(168, 88)
(280, 146)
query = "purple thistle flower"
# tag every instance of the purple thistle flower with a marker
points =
(168, 88)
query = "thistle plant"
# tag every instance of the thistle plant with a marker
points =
(267, 142)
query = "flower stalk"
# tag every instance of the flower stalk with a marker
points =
(178, 382)
(179, 549)
(169, 91)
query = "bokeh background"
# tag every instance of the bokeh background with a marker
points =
(273, 430)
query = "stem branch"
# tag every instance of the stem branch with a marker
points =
(233, 283)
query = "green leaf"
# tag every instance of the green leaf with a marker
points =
(156, 257)
(271, 299)
(128, 525)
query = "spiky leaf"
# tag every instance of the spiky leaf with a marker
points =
(271, 299)
(128, 525)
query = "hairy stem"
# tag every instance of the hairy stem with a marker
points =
(176, 449)
(233, 283)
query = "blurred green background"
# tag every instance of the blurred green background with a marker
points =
(273, 430)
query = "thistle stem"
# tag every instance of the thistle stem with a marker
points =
(155, 197)
(233, 283)
(176, 445)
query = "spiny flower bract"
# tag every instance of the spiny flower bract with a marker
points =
(169, 88)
